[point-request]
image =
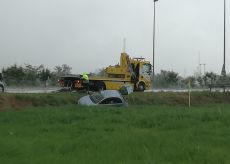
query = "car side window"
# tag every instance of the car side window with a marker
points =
(112, 100)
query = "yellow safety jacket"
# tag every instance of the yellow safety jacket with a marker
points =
(85, 77)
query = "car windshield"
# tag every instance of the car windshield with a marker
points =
(96, 97)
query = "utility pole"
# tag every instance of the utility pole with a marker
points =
(154, 31)
(223, 72)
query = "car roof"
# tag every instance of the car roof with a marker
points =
(111, 93)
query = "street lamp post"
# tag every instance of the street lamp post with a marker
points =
(154, 31)
(223, 72)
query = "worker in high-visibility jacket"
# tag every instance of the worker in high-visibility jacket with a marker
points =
(85, 78)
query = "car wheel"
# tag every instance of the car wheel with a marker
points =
(101, 86)
(141, 87)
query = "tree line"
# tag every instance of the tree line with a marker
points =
(29, 75)
(171, 79)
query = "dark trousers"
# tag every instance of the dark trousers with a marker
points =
(86, 85)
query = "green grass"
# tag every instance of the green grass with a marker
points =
(175, 98)
(17, 101)
(137, 134)
(20, 101)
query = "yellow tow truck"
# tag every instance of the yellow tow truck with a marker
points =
(133, 72)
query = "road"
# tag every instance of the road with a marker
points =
(53, 89)
(30, 89)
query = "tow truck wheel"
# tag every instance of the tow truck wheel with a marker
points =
(141, 87)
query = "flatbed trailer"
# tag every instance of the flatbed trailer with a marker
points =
(95, 84)
(69, 82)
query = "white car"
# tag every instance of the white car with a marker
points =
(106, 97)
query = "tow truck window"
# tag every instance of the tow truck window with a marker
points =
(146, 68)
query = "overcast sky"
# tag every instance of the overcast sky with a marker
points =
(88, 35)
